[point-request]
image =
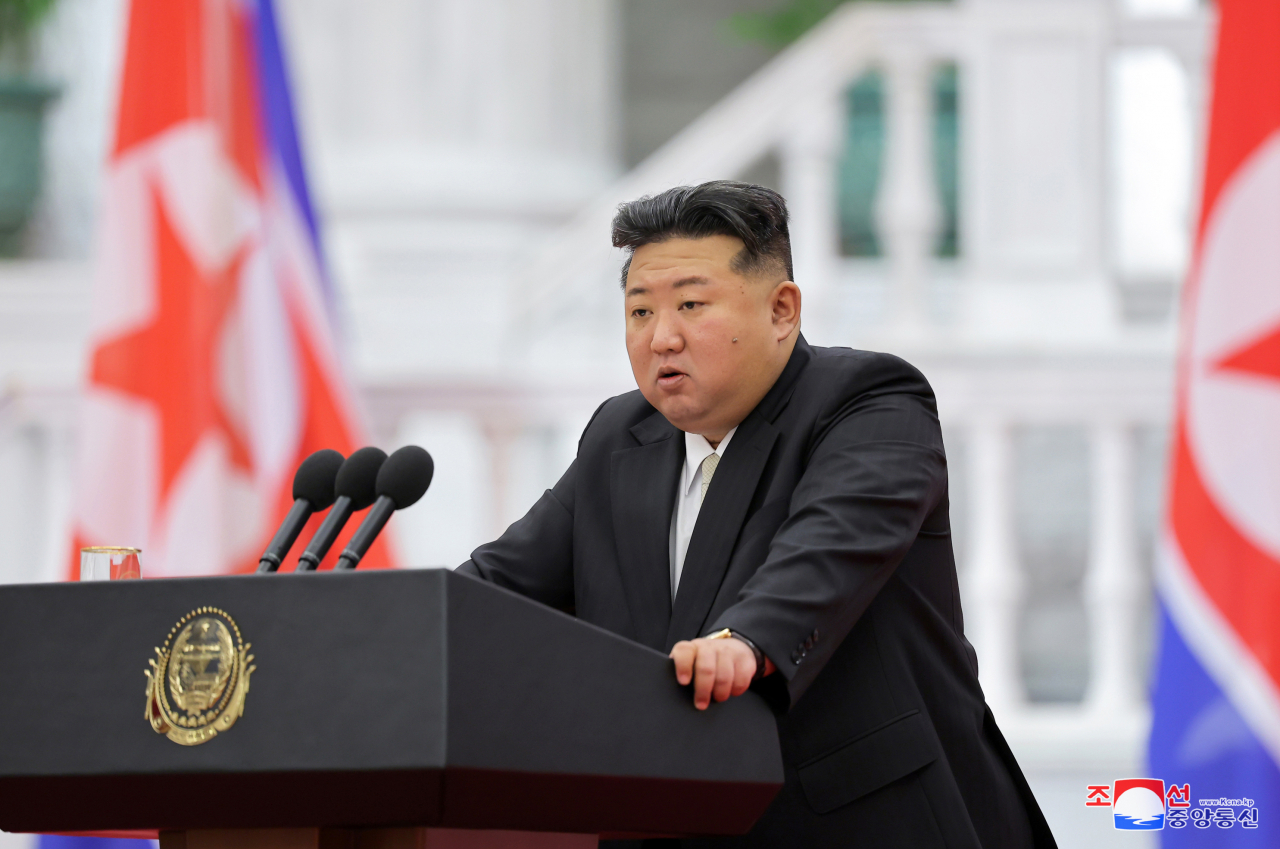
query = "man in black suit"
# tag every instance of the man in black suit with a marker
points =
(774, 515)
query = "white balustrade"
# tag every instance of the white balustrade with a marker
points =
(1114, 587)
(35, 466)
(809, 180)
(993, 589)
(908, 210)
(501, 434)
(59, 503)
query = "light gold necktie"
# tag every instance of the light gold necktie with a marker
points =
(708, 471)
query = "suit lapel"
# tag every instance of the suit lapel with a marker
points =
(720, 518)
(642, 488)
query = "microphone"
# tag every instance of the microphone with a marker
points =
(402, 480)
(354, 486)
(312, 492)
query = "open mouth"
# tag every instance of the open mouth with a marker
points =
(669, 376)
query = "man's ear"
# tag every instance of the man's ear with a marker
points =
(785, 305)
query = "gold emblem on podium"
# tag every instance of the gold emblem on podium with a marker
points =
(198, 680)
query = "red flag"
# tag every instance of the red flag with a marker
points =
(213, 371)
(1221, 549)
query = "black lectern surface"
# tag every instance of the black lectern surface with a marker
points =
(418, 697)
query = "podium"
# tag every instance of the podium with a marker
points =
(383, 710)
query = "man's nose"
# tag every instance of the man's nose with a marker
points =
(666, 334)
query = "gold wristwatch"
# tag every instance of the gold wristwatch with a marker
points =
(726, 633)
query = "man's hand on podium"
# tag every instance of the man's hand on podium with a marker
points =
(718, 668)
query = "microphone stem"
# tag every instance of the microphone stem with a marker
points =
(364, 536)
(325, 535)
(286, 536)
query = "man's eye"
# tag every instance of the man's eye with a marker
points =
(688, 305)
(639, 312)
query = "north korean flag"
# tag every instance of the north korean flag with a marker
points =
(214, 367)
(1217, 693)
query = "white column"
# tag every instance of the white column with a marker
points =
(500, 434)
(22, 502)
(59, 492)
(1196, 72)
(994, 581)
(908, 211)
(1113, 584)
(18, 841)
(807, 158)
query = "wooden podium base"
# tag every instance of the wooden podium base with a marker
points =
(371, 838)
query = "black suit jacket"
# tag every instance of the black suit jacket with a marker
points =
(824, 538)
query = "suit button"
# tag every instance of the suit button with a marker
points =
(795, 657)
(808, 644)
(815, 635)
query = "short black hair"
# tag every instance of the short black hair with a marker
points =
(754, 214)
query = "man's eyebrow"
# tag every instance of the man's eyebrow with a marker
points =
(688, 281)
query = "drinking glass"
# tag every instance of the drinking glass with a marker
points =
(109, 563)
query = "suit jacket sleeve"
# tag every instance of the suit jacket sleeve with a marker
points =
(535, 555)
(876, 470)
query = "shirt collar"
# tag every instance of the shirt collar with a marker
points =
(696, 449)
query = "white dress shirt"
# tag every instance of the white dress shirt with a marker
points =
(689, 498)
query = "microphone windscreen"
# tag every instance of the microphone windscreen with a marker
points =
(406, 475)
(315, 477)
(358, 477)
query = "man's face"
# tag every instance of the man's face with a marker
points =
(705, 342)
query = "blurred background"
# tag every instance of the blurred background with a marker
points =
(1000, 191)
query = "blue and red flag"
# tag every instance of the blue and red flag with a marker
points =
(1216, 700)
(214, 368)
